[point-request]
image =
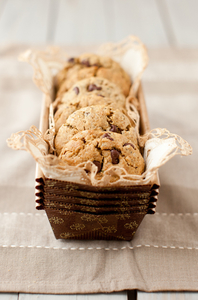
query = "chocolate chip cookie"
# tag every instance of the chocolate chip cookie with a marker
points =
(93, 85)
(105, 150)
(89, 65)
(87, 92)
(93, 117)
(65, 110)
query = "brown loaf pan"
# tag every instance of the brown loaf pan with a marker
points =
(77, 211)
(77, 225)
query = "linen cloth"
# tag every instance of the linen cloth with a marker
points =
(163, 254)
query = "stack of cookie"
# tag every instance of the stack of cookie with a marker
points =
(92, 126)
(90, 120)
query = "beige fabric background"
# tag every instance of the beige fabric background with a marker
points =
(164, 252)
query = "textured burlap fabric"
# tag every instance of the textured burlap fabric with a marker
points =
(163, 254)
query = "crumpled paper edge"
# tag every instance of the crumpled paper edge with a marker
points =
(160, 146)
(131, 49)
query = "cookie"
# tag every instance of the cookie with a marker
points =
(65, 110)
(87, 92)
(93, 117)
(89, 65)
(105, 150)
(93, 85)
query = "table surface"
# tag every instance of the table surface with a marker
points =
(158, 23)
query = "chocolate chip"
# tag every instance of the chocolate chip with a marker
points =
(129, 145)
(115, 156)
(71, 60)
(85, 63)
(76, 90)
(114, 128)
(106, 135)
(98, 164)
(86, 113)
(93, 87)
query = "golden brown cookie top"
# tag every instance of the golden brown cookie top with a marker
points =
(93, 86)
(105, 150)
(99, 117)
(89, 65)
(65, 109)
(93, 117)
